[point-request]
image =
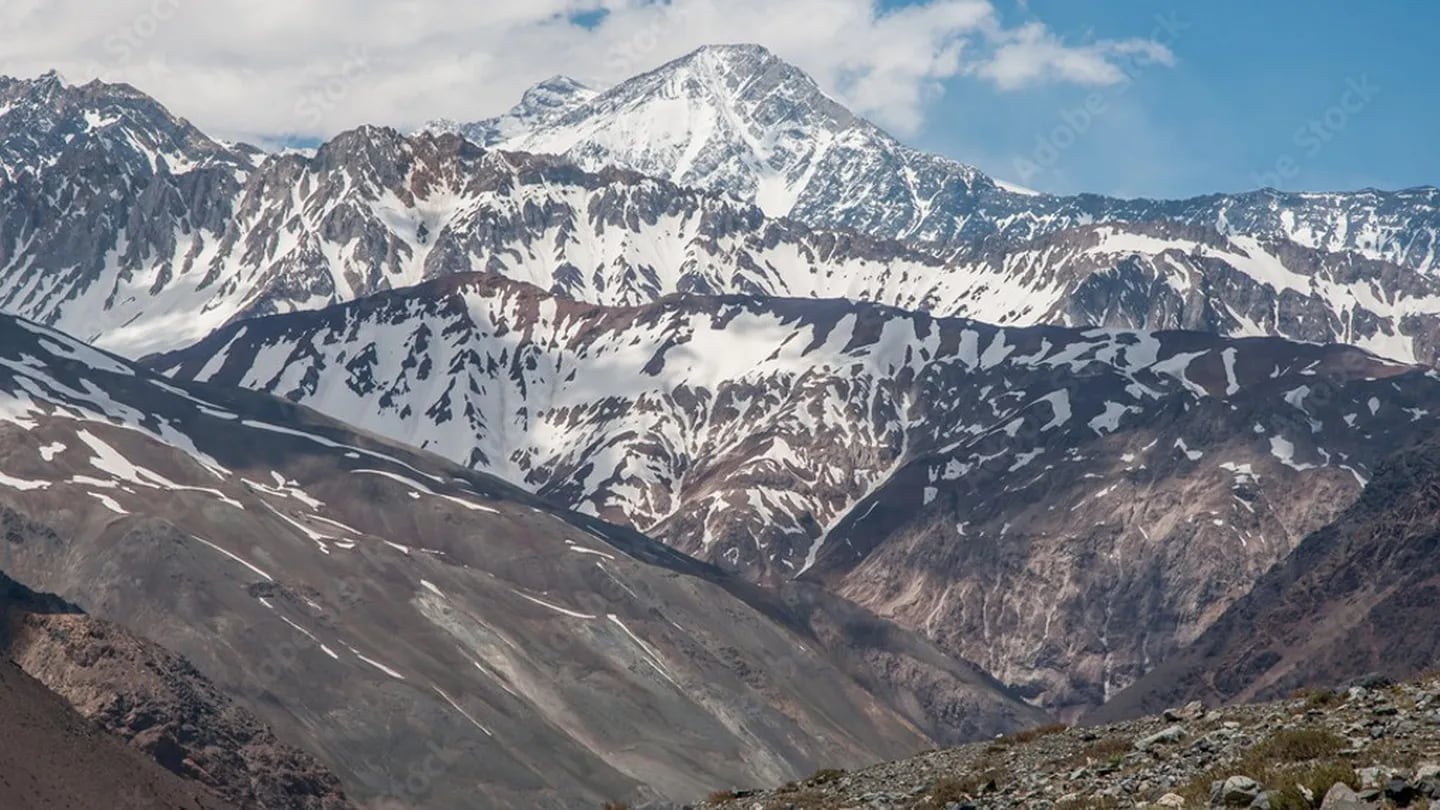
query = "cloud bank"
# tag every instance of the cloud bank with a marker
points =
(272, 70)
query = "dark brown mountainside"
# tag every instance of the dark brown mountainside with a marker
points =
(157, 702)
(1361, 595)
(51, 758)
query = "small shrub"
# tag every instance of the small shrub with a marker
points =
(1031, 734)
(1297, 745)
(1319, 698)
(825, 776)
(1094, 803)
(805, 800)
(1106, 749)
(1286, 793)
(949, 790)
(1271, 762)
(960, 788)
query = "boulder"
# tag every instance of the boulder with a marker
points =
(1236, 791)
(1165, 736)
(1341, 797)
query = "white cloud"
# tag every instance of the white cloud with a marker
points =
(1032, 54)
(264, 69)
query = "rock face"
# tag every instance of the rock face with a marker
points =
(1064, 506)
(1358, 596)
(1361, 748)
(52, 757)
(434, 636)
(156, 702)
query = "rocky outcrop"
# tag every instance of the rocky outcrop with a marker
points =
(1368, 745)
(158, 703)
(52, 757)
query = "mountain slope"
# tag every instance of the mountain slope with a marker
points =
(911, 463)
(52, 757)
(1369, 746)
(1333, 610)
(1162, 275)
(433, 635)
(156, 702)
(738, 119)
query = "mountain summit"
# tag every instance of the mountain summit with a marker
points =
(541, 105)
(739, 119)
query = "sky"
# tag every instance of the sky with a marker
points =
(1131, 97)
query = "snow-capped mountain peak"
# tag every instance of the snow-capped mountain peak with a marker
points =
(540, 105)
(44, 121)
(733, 118)
(739, 120)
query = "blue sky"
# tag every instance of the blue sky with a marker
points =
(1248, 76)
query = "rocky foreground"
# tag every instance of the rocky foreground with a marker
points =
(1370, 745)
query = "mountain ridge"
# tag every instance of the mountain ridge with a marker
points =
(144, 260)
(895, 457)
(448, 624)
(886, 189)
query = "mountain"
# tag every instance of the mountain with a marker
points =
(738, 119)
(114, 245)
(107, 203)
(157, 703)
(541, 105)
(1023, 495)
(1358, 596)
(49, 125)
(141, 253)
(435, 636)
(1162, 275)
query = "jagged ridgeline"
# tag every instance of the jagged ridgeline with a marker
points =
(127, 226)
